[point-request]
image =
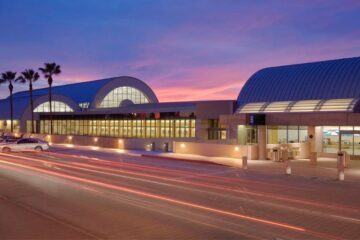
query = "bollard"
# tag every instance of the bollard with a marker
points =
(313, 158)
(287, 167)
(244, 162)
(341, 166)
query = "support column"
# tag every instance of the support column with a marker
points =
(261, 131)
(312, 138)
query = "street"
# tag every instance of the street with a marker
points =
(84, 194)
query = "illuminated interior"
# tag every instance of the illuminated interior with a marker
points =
(332, 105)
(277, 107)
(120, 95)
(57, 106)
(127, 128)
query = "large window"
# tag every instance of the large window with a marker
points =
(123, 95)
(124, 128)
(247, 135)
(286, 134)
(57, 106)
(350, 139)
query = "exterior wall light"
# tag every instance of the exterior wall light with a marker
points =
(70, 137)
(236, 149)
(96, 139)
(182, 145)
(120, 141)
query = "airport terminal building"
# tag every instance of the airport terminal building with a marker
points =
(310, 107)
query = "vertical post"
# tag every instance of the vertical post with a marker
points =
(244, 162)
(341, 166)
(287, 167)
(261, 142)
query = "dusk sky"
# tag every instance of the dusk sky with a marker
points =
(184, 49)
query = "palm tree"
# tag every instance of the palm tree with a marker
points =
(48, 71)
(30, 76)
(9, 77)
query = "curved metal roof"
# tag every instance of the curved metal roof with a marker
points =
(333, 79)
(76, 92)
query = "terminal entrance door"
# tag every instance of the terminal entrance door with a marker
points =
(349, 141)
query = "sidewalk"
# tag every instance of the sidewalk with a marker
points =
(325, 168)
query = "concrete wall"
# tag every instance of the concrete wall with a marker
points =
(108, 142)
(216, 150)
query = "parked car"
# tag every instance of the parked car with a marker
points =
(25, 144)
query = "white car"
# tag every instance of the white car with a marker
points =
(25, 144)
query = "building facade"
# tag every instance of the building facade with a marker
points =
(310, 107)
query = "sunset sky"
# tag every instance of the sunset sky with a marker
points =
(184, 49)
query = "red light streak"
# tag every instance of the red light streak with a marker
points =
(175, 201)
(213, 186)
(166, 170)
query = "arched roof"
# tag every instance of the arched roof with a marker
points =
(333, 79)
(73, 94)
(87, 91)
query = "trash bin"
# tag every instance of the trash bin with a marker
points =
(166, 147)
(275, 155)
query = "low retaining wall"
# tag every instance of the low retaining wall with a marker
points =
(108, 142)
(217, 150)
(177, 146)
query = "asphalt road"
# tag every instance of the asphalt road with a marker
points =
(79, 194)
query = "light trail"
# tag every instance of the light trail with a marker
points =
(198, 184)
(186, 174)
(167, 170)
(178, 202)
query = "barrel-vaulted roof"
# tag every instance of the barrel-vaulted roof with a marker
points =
(76, 93)
(333, 79)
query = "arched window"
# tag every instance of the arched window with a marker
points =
(56, 107)
(122, 96)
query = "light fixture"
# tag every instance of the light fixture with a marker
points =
(95, 139)
(182, 145)
(70, 137)
(236, 149)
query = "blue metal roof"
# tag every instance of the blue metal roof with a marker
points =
(333, 79)
(78, 92)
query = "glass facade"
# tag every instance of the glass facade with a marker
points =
(350, 139)
(247, 135)
(6, 125)
(117, 97)
(124, 128)
(286, 134)
(215, 130)
(57, 106)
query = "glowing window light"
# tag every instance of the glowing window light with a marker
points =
(57, 106)
(251, 107)
(116, 97)
(277, 106)
(305, 106)
(338, 105)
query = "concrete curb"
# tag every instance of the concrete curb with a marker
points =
(182, 159)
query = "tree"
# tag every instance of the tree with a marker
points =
(49, 71)
(9, 77)
(29, 76)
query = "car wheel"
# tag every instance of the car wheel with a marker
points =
(38, 149)
(6, 150)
